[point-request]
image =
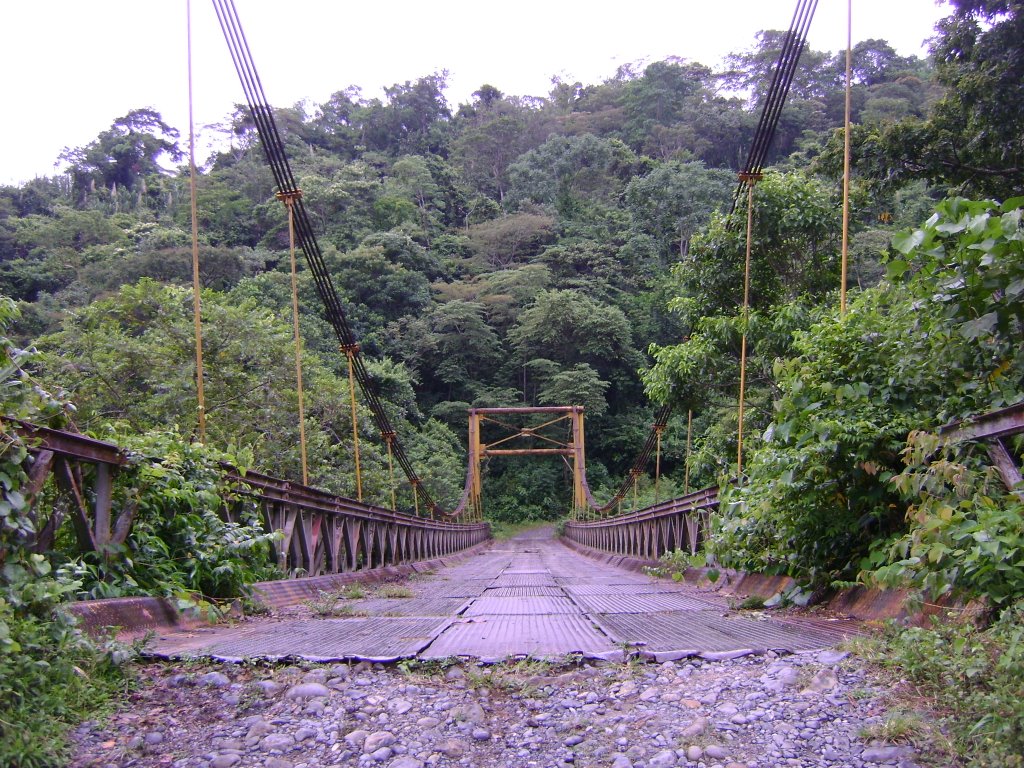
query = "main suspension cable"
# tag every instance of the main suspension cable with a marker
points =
(771, 111)
(270, 138)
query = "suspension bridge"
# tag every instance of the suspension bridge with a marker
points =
(466, 595)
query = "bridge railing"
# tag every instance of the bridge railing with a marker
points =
(682, 523)
(648, 533)
(993, 429)
(321, 533)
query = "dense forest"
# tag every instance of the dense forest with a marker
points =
(572, 249)
(506, 251)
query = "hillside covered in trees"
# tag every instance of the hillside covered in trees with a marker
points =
(505, 251)
(572, 249)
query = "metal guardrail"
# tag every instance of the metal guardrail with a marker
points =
(992, 429)
(649, 533)
(321, 533)
(672, 525)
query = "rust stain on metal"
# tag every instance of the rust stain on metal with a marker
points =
(520, 606)
(493, 638)
(536, 597)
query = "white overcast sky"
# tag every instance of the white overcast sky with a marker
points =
(74, 66)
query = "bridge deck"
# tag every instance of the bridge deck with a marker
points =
(528, 596)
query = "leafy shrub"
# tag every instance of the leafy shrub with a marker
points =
(939, 342)
(975, 678)
(816, 493)
(181, 544)
(51, 675)
(675, 563)
(966, 533)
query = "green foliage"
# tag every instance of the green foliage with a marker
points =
(965, 532)
(578, 386)
(969, 257)
(181, 545)
(526, 490)
(566, 170)
(51, 675)
(672, 202)
(973, 679)
(675, 562)
(567, 327)
(751, 603)
(509, 251)
(906, 356)
(21, 398)
(794, 250)
(970, 138)
(123, 155)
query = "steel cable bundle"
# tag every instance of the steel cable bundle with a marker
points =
(771, 111)
(270, 138)
(262, 114)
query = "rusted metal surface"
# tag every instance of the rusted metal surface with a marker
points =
(494, 638)
(647, 603)
(993, 428)
(989, 426)
(411, 606)
(677, 524)
(134, 615)
(1002, 459)
(71, 445)
(678, 634)
(288, 592)
(520, 606)
(441, 588)
(596, 613)
(526, 592)
(633, 588)
(320, 533)
(372, 639)
(525, 580)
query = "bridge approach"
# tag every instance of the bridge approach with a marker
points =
(529, 596)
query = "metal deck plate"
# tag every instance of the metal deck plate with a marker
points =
(451, 588)
(697, 633)
(587, 588)
(493, 638)
(410, 606)
(372, 639)
(520, 606)
(546, 602)
(643, 603)
(605, 579)
(524, 580)
(524, 592)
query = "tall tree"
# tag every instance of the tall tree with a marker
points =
(973, 138)
(671, 202)
(123, 155)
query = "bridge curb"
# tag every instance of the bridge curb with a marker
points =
(863, 603)
(131, 617)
